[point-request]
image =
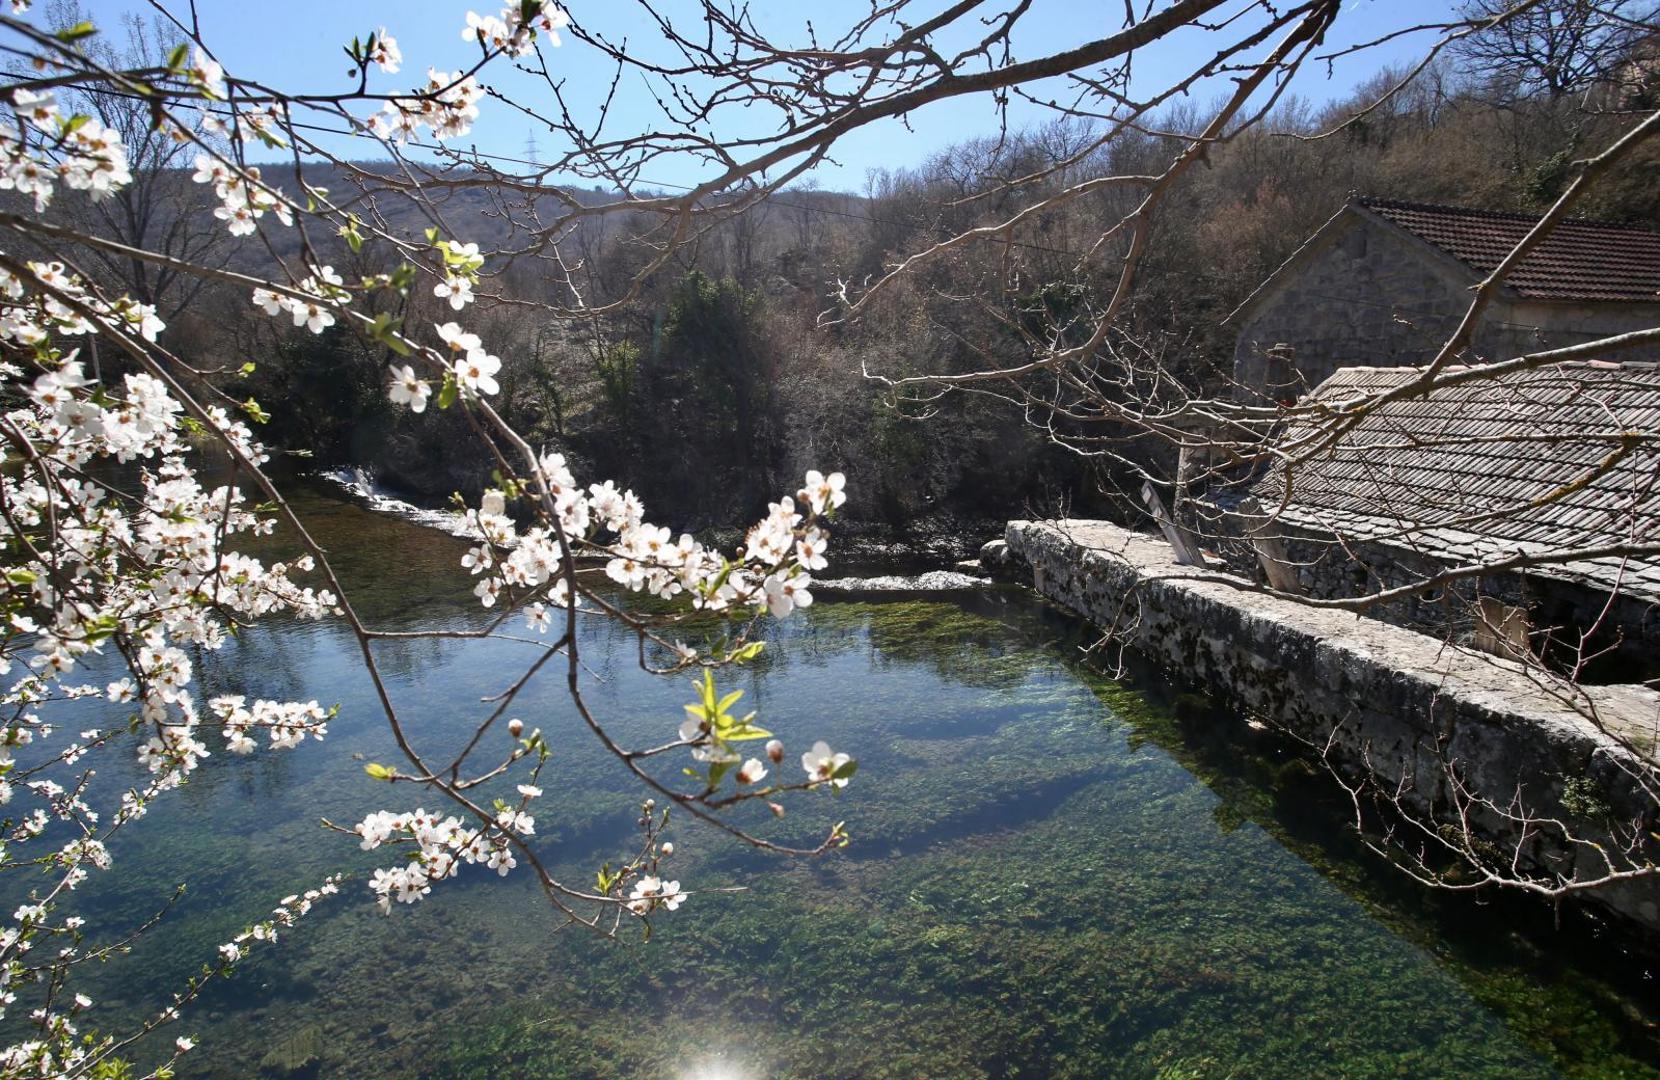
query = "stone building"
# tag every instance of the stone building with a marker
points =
(1385, 282)
(1561, 458)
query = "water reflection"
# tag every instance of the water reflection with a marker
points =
(717, 1069)
(1040, 885)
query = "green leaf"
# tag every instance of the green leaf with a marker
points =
(77, 32)
(846, 771)
(378, 772)
(102, 628)
(447, 395)
(248, 368)
(385, 330)
(748, 652)
(720, 579)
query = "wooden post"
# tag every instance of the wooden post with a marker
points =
(1270, 550)
(1187, 550)
(1501, 629)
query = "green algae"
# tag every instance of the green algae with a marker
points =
(300, 1054)
(1054, 874)
(991, 953)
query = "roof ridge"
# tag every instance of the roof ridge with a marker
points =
(1589, 362)
(1379, 201)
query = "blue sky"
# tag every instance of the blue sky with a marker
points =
(296, 46)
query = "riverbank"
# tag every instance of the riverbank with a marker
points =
(1418, 716)
(875, 546)
(1053, 873)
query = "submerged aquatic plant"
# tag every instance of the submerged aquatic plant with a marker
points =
(140, 568)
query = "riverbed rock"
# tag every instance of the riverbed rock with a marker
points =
(298, 1055)
(1001, 561)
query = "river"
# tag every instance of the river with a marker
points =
(1052, 874)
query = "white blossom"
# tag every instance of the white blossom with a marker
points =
(652, 892)
(477, 372)
(821, 764)
(383, 51)
(409, 389)
(824, 492)
(458, 289)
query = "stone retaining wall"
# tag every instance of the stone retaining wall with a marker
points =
(1402, 701)
(1624, 647)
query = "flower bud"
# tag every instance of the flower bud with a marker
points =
(775, 751)
(776, 808)
(667, 849)
(515, 727)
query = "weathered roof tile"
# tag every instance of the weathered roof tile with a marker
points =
(1579, 260)
(1525, 462)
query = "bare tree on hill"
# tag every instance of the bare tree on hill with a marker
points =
(1558, 48)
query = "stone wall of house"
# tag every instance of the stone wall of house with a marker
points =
(1624, 644)
(1524, 326)
(1625, 629)
(1368, 296)
(1371, 295)
(1397, 705)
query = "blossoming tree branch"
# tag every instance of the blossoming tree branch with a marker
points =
(117, 550)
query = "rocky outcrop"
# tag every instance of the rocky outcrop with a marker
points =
(999, 560)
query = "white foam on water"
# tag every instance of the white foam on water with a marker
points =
(361, 486)
(931, 581)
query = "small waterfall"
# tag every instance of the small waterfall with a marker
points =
(360, 485)
(932, 581)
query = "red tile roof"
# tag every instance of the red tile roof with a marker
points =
(1579, 260)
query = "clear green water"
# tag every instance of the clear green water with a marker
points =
(1051, 876)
